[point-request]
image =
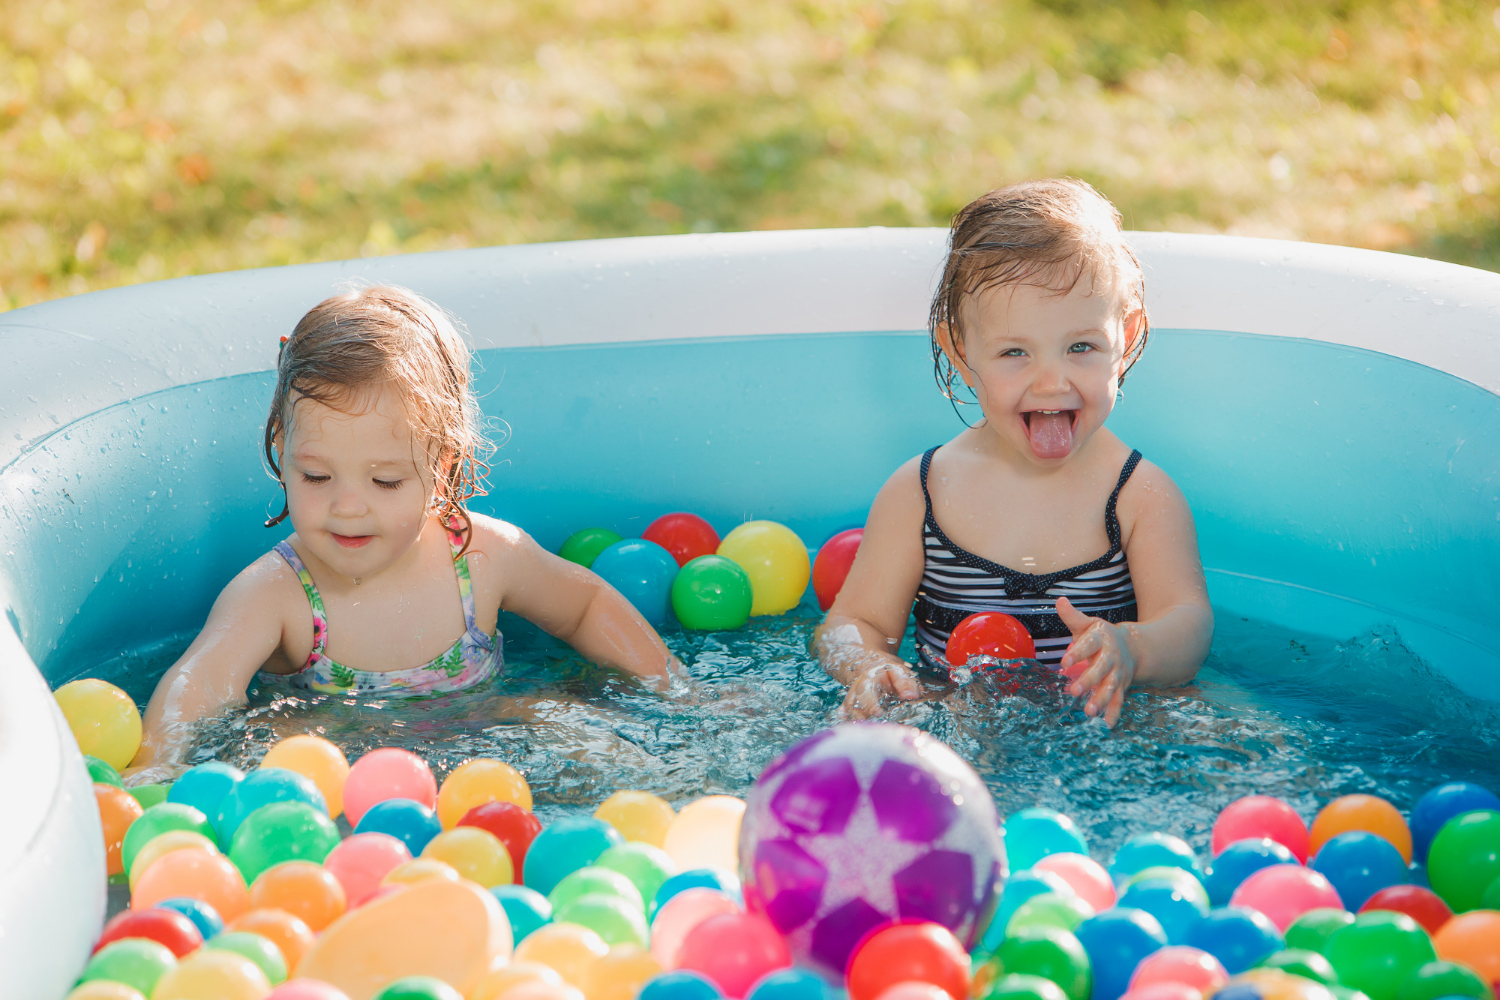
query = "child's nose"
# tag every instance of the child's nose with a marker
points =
(348, 503)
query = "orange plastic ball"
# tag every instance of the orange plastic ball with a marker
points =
(1472, 939)
(1361, 812)
(620, 974)
(567, 948)
(117, 810)
(166, 843)
(289, 934)
(307, 891)
(210, 878)
(498, 982)
(209, 972)
(475, 782)
(419, 870)
(317, 760)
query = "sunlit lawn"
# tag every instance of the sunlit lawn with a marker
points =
(183, 136)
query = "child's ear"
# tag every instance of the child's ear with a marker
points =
(1135, 324)
(953, 348)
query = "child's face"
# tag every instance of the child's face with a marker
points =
(357, 484)
(1045, 366)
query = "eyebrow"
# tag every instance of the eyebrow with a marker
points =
(306, 456)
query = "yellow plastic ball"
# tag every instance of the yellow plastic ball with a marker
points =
(706, 834)
(166, 843)
(639, 816)
(104, 720)
(620, 974)
(420, 870)
(103, 989)
(210, 974)
(474, 853)
(475, 782)
(317, 760)
(568, 949)
(775, 560)
(497, 981)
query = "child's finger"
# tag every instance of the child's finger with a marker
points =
(902, 684)
(1091, 677)
(1083, 647)
(1116, 706)
(1076, 620)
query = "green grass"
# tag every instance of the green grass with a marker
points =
(181, 136)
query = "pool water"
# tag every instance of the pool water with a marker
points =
(1272, 712)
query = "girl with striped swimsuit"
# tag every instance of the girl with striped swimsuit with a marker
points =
(1036, 509)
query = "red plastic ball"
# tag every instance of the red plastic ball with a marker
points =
(516, 827)
(918, 951)
(169, 928)
(734, 950)
(1256, 816)
(686, 536)
(831, 567)
(989, 633)
(1422, 905)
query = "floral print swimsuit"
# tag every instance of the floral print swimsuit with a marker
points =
(473, 659)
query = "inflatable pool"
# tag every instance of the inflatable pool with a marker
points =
(1333, 416)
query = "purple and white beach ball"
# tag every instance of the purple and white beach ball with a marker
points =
(863, 824)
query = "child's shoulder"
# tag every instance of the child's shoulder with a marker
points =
(267, 585)
(1150, 495)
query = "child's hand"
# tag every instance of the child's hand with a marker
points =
(870, 686)
(1099, 660)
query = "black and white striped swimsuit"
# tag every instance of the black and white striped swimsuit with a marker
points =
(956, 583)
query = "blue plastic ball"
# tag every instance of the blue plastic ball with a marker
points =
(643, 572)
(790, 984)
(1177, 913)
(262, 787)
(526, 909)
(408, 821)
(1032, 834)
(1238, 862)
(1019, 888)
(1150, 850)
(1238, 937)
(566, 846)
(1359, 865)
(698, 878)
(1442, 804)
(203, 916)
(203, 787)
(678, 985)
(1116, 941)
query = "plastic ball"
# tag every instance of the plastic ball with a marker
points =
(1257, 816)
(137, 962)
(832, 565)
(149, 795)
(679, 985)
(724, 883)
(1192, 967)
(616, 920)
(362, 861)
(1464, 858)
(712, 592)
(260, 950)
(1238, 938)
(642, 572)
(1311, 931)
(1176, 911)
(583, 547)
(526, 908)
(1238, 861)
(1032, 834)
(496, 983)
(1285, 892)
(104, 720)
(418, 988)
(1377, 952)
(1116, 941)
(639, 816)
(861, 790)
(262, 787)
(408, 821)
(209, 878)
(908, 952)
(387, 773)
(101, 773)
(516, 827)
(1359, 864)
(1062, 910)
(222, 975)
(595, 879)
(647, 867)
(203, 916)
(166, 843)
(474, 853)
(1184, 880)
(419, 870)
(1163, 991)
(1443, 979)
(306, 989)
(117, 810)
(282, 831)
(679, 915)
(620, 974)
(685, 536)
(706, 833)
(475, 782)
(1440, 805)
(291, 936)
(1019, 986)
(566, 846)
(158, 820)
(1367, 813)
(1152, 849)
(307, 891)
(1421, 904)
(104, 989)
(1048, 952)
(204, 786)
(567, 948)
(168, 928)
(1472, 939)
(992, 634)
(317, 760)
(1020, 887)
(1300, 962)
(790, 984)
(733, 950)
(775, 560)
(1085, 876)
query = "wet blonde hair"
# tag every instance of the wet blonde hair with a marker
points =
(1048, 233)
(383, 336)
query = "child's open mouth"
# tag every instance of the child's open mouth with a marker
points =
(1050, 432)
(351, 541)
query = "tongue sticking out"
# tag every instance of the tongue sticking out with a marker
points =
(1051, 433)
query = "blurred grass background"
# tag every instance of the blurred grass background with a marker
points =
(152, 138)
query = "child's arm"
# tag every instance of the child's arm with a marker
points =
(857, 641)
(1169, 642)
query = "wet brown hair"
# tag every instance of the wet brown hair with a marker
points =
(1048, 233)
(383, 336)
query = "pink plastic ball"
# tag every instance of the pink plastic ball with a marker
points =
(360, 862)
(1084, 876)
(1163, 991)
(679, 915)
(1285, 892)
(914, 990)
(387, 773)
(1256, 816)
(734, 950)
(1180, 964)
(306, 989)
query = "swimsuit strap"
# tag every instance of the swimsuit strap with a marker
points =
(465, 583)
(319, 614)
(1111, 521)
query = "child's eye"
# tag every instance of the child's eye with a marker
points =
(389, 484)
(308, 477)
(1014, 352)
(1080, 348)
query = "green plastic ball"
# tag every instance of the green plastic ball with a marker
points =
(1311, 931)
(616, 920)
(1378, 951)
(712, 592)
(418, 988)
(1345, 993)
(254, 947)
(1300, 962)
(594, 879)
(102, 773)
(149, 795)
(1049, 952)
(1465, 858)
(1050, 909)
(583, 547)
(646, 865)
(1019, 986)
(1182, 880)
(136, 962)
(1443, 979)
(1491, 898)
(158, 820)
(282, 831)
